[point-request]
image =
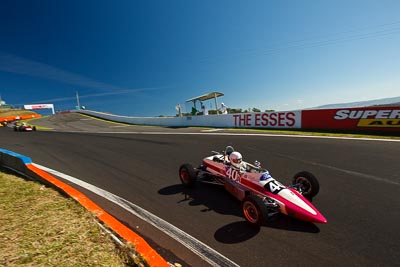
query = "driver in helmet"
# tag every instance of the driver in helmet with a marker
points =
(236, 161)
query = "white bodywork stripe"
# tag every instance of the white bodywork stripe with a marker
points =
(292, 197)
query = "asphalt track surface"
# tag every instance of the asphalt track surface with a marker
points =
(359, 195)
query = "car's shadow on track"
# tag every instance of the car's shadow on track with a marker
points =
(215, 198)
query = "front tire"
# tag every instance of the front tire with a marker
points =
(254, 210)
(187, 175)
(308, 184)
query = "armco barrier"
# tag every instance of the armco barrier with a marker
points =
(24, 165)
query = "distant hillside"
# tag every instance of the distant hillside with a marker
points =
(393, 104)
(393, 101)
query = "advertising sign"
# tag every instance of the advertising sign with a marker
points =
(285, 119)
(40, 106)
(365, 118)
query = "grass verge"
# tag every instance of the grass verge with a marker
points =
(39, 227)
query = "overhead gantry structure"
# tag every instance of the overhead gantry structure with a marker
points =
(208, 96)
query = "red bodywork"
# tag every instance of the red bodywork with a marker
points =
(290, 202)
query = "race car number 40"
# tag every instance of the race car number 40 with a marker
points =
(233, 174)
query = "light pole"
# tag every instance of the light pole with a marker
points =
(77, 99)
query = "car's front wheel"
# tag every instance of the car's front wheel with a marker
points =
(307, 184)
(187, 175)
(254, 210)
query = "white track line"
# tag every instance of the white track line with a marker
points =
(243, 134)
(212, 130)
(202, 250)
(363, 175)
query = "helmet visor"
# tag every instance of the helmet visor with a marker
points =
(237, 160)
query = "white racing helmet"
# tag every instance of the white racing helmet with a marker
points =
(236, 159)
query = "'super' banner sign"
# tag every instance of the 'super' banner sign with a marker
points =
(372, 118)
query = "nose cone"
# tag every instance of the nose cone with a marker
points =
(299, 207)
(320, 219)
(303, 215)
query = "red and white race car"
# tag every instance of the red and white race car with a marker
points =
(261, 195)
(24, 127)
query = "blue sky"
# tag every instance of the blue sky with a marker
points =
(142, 58)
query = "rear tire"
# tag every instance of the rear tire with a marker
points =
(254, 210)
(308, 183)
(187, 175)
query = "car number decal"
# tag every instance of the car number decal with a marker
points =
(233, 174)
(274, 186)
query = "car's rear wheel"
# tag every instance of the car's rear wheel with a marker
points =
(307, 183)
(187, 175)
(254, 210)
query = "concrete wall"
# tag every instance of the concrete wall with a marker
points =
(291, 119)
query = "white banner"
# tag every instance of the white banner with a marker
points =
(40, 106)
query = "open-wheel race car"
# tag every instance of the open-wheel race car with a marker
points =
(261, 195)
(24, 127)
